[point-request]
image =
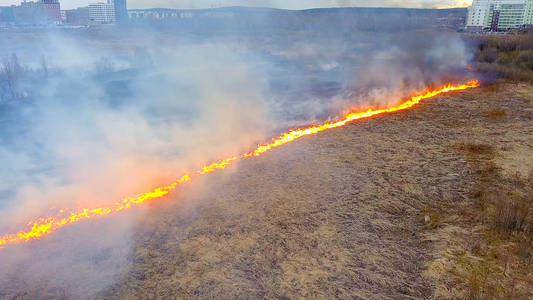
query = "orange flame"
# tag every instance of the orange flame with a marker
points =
(45, 226)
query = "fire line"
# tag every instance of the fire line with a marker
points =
(45, 226)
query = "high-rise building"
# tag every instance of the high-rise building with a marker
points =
(528, 14)
(121, 11)
(102, 13)
(478, 14)
(52, 10)
(499, 14)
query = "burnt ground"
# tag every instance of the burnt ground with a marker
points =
(339, 214)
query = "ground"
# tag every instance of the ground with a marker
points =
(382, 208)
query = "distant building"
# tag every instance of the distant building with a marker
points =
(121, 11)
(52, 10)
(528, 14)
(102, 13)
(79, 16)
(478, 14)
(6, 15)
(136, 15)
(38, 12)
(497, 15)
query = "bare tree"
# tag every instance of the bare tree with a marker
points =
(44, 66)
(11, 72)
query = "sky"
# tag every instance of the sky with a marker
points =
(286, 4)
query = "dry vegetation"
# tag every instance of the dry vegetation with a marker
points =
(505, 56)
(433, 202)
(485, 251)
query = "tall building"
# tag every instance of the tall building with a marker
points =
(102, 13)
(52, 10)
(528, 14)
(121, 11)
(499, 14)
(478, 14)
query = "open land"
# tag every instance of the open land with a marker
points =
(343, 213)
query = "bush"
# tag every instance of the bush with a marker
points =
(487, 55)
(514, 212)
(505, 56)
(505, 72)
(524, 59)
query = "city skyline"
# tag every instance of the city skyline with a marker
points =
(287, 4)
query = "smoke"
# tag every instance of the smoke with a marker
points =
(119, 113)
(299, 4)
(94, 135)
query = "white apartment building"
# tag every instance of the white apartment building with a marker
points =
(102, 13)
(478, 14)
(499, 14)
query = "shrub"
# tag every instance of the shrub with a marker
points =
(505, 56)
(514, 212)
(487, 55)
(524, 60)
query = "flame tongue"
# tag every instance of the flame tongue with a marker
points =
(414, 100)
(45, 226)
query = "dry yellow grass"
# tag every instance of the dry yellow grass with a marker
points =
(343, 214)
(485, 252)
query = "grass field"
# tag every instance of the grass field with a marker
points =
(415, 204)
(433, 202)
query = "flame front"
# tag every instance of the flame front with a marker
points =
(45, 226)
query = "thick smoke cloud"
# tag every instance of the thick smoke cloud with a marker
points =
(102, 128)
(119, 113)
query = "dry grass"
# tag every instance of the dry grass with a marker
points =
(505, 56)
(483, 250)
(477, 149)
(496, 114)
(374, 210)
(414, 205)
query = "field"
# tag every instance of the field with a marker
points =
(433, 202)
(383, 208)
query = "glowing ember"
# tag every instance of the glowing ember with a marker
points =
(45, 226)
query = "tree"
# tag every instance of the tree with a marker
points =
(44, 66)
(11, 73)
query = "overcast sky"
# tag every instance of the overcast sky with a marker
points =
(288, 4)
